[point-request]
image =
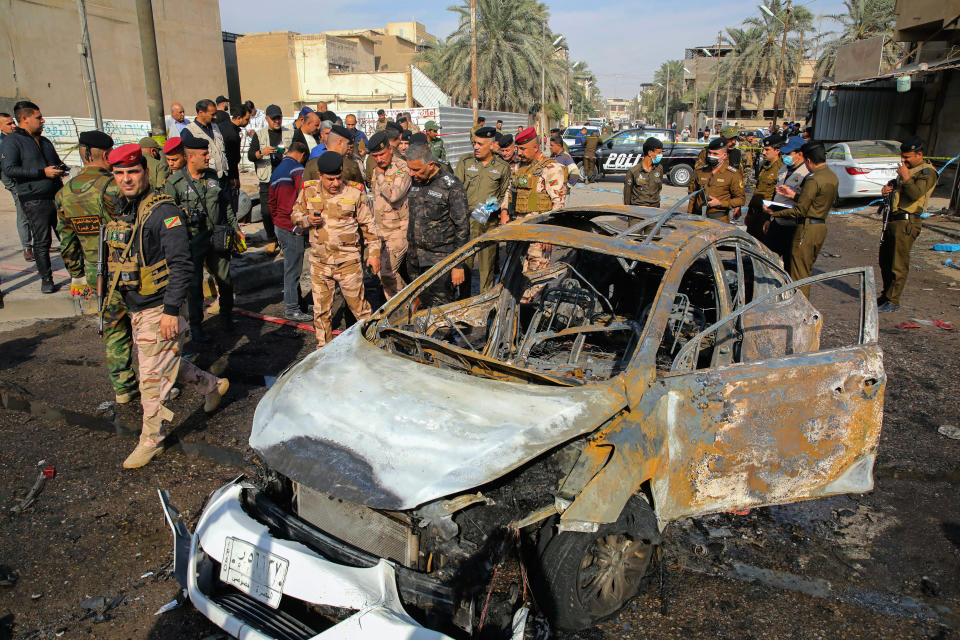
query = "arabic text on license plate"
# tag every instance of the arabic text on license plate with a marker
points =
(254, 571)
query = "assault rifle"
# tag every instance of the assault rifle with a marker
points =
(101, 280)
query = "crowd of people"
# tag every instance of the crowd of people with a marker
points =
(140, 223)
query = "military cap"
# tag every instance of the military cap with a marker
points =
(273, 111)
(343, 132)
(775, 140)
(485, 132)
(147, 142)
(394, 126)
(304, 112)
(96, 140)
(526, 135)
(381, 112)
(173, 145)
(194, 142)
(652, 143)
(431, 125)
(913, 143)
(377, 142)
(127, 155)
(794, 143)
(717, 143)
(330, 163)
(419, 138)
(506, 139)
(728, 132)
(405, 136)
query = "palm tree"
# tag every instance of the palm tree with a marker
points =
(514, 43)
(657, 94)
(863, 19)
(760, 58)
(583, 100)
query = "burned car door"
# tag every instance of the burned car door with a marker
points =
(773, 430)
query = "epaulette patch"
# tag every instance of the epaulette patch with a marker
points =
(449, 180)
(729, 168)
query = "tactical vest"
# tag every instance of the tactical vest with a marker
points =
(127, 271)
(917, 205)
(526, 198)
(89, 196)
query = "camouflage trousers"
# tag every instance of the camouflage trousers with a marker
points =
(161, 366)
(118, 339)
(323, 280)
(394, 248)
(538, 256)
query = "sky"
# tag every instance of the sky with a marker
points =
(623, 41)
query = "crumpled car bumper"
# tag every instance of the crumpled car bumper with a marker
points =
(312, 579)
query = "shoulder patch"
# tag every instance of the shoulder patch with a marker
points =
(449, 180)
(729, 168)
(355, 184)
(172, 221)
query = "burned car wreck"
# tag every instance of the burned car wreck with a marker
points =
(536, 437)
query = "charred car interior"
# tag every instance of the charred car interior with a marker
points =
(471, 468)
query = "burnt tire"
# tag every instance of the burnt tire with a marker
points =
(680, 175)
(584, 578)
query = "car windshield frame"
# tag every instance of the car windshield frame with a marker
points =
(866, 152)
(401, 319)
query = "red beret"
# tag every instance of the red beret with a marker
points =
(126, 155)
(172, 145)
(526, 135)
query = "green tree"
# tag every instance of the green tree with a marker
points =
(679, 100)
(514, 43)
(863, 19)
(759, 58)
(584, 95)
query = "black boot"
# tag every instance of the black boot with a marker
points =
(47, 286)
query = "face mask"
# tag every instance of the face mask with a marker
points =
(658, 158)
(713, 161)
(787, 160)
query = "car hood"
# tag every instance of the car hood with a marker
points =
(376, 429)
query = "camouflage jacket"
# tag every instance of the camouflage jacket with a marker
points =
(85, 202)
(439, 219)
(345, 215)
(390, 191)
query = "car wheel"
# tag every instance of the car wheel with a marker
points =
(680, 175)
(586, 577)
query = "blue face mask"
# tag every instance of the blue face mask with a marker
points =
(658, 158)
(787, 159)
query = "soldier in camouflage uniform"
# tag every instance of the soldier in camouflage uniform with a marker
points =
(156, 166)
(439, 223)
(538, 184)
(84, 204)
(335, 212)
(431, 128)
(391, 185)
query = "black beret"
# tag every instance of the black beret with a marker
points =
(343, 132)
(776, 141)
(652, 143)
(506, 139)
(377, 142)
(419, 138)
(406, 135)
(485, 132)
(717, 143)
(913, 143)
(96, 140)
(330, 163)
(381, 112)
(394, 126)
(194, 142)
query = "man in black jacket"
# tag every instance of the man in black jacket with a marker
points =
(31, 161)
(149, 246)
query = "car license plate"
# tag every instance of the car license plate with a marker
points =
(257, 573)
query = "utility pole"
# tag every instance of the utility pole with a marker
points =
(696, 95)
(473, 60)
(796, 87)
(93, 97)
(783, 48)
(666, 100)
(716, 82)
(151, 65)
(543, 82)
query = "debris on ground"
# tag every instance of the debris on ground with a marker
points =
(946, 247)
(170, 606)
(8, 576)
(950, 431)
(47, 472)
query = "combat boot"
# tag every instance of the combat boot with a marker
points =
(212, 400)
(128, 397)
(298, 316)
(147, 449)
(47, 286)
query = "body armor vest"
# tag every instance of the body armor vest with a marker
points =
(526, 197)
(127, 270)
(917, 205)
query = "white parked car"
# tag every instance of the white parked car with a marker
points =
(571, 133)
(863, 167)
